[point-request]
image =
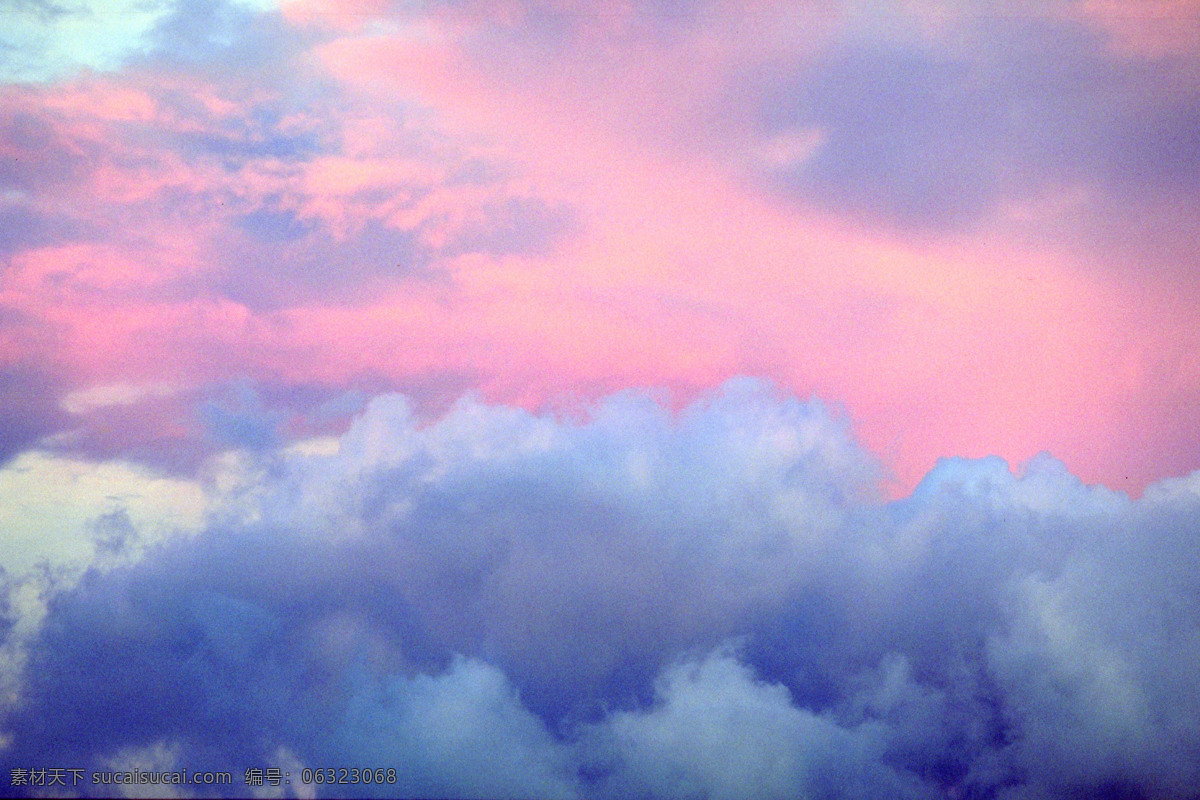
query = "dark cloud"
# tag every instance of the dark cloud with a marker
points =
(28, 407)
(269, 225)
(285, 261)
(641, 604)
(517, 225)
(889, 143)
(40, 152)
(239, 419)
(941, 131)
(28, 229)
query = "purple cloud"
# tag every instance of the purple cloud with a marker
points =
(639, 603)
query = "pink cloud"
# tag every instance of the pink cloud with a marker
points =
(1153, 29)
(681, 269)
(985, 347)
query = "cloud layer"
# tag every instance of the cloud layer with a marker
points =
(325, 436)
(632, 602)
(973, 225)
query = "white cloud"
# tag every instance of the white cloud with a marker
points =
(44, 41)
(51, 507)
(108, 395)
(52, 39)
(463, 733)
(717, 732)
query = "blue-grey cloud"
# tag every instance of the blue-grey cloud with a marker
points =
(638, 603)
(28, 409)
(942, 131)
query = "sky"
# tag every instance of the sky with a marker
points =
(602, 399)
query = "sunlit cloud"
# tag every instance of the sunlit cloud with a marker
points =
(114, 394)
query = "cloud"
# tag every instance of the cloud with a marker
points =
(244, 215)
(114, 394)
(61, 510)
(556, 200)
(44, 39)
(716, 730)
(428, 727)
(634, 602)
(27, 412)
(941, 133)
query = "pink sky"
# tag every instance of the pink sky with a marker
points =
(972, 232)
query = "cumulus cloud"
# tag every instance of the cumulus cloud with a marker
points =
(431, 727)
(632, 602)
(230, 226)
(715, 731)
